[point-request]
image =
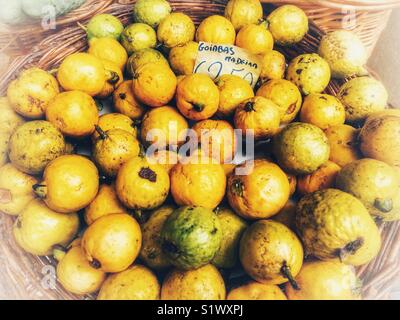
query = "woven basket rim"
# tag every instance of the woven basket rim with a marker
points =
(378, 276)
(361, 5)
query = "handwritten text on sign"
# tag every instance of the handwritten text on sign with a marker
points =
(216, 60)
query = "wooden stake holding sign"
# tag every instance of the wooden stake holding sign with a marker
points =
(216, 60)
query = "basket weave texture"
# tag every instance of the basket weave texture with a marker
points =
(371, 17)
(367, 18)
(29, 277)
(20, 39)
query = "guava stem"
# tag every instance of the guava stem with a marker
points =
(383, 205)
(53, 71)
(70, 148)
(198, 107)
(136, 123)
(59, 252)
(114, 77)
(237, 188)
(101, 132)
(285, 270)
(139, 215)
(99, 104)
(40, 190)
(142, 151)
(159, 46)
(378, 220)
(249, 106)
(95, 264)
(362, 72)
(351, 248)
(264, 23)
(106, 180)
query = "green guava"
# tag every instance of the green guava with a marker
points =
(151, 252)
(301, 148)
(288, 24)
(379, 138)
(243, 12)
(151, 12)
(376, 184)
(362, 97)
(138, 36)
(344, 52)
(104, 26)
(310, 73)
(232, 227)
(191, 237)
(34, 145)
(334, 224)
(144, 56)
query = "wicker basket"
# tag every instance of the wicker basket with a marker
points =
(16, 40)
(367, 18)
(30, 277)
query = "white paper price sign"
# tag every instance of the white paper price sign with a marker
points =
(216, 60)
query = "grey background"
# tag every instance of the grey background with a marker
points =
(385, 59)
